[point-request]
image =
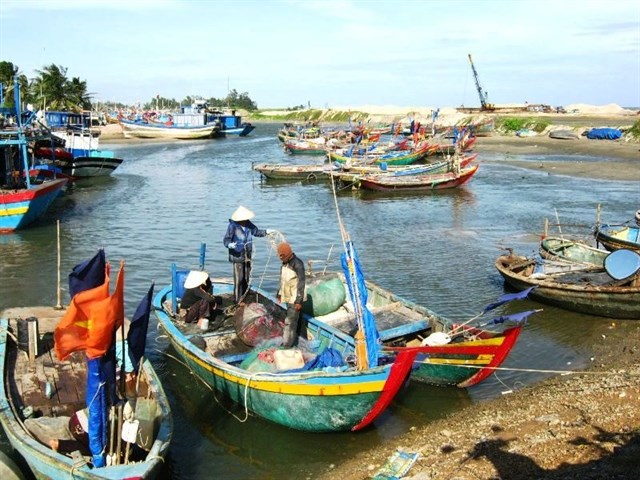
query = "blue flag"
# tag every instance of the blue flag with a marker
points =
(96, 401)
(137, 336)
(507, 298)
(88, 274)
(358, 293)
(519, 317)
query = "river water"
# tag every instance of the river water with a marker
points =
(437, 249)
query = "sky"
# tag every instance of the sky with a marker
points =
(334, 53)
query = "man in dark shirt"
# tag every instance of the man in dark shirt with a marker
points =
(197, 299)
(292, 293)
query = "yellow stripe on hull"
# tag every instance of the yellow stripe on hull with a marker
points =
(291, 389)
(14, 211)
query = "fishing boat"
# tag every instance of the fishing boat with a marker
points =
(615, 237)
(36, 386)
(317, 146)
(82, 155)
(391, 158)
(231, 124)
(138, 129)
(63, 407)
(286, 171)
(420, 182)
(22, 201)
(347, 395)
(590, 290)
(558, 248)
(445, 352)
(353, 173)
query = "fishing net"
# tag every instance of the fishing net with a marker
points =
(255, 323)
(324, 295)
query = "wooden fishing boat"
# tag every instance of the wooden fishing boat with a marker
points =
(98, 163)
(470, 356)
(421, 182)
(352, 174)
(391, 158)
(319, 400)
(587, 290)
(615, 237)
(286, 171)
(306, 147)
(557, 248)
(135, 129)
(37, 390)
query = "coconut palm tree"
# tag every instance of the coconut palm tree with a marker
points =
(8, 74)
(53, 90)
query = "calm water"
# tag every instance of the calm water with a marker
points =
(435, 249)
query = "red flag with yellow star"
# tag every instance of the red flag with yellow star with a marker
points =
(72, 332)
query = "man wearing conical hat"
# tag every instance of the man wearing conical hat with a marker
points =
(239, 241)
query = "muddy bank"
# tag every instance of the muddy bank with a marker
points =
(580, 426)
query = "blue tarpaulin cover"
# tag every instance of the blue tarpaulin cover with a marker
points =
(604, 134)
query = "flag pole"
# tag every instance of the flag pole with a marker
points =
(59, 304)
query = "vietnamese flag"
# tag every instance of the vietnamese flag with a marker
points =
(106, 316)
(73, 330)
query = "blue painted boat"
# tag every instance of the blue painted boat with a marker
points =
(22, 201)
(616, 237)
(324, 399)
(25, 398)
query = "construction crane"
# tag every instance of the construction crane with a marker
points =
(484, 104)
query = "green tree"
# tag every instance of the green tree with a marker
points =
(53, 90)
(8, 73)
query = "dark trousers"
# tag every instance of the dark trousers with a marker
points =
(294, 326)
(201, 309)
(241, 274)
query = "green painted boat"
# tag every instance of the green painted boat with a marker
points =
(469, 357)
(28, 414)
(392, 158)
(574, 251)
(318, 400)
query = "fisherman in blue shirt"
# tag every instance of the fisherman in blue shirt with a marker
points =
(239, 241)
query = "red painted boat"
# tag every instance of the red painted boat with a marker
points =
(410, 183)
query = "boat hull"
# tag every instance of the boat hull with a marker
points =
(418, 182)
(600, 300)
(554, 248)
(20, 208)
(93, 166)
(618, 237)
(138, 130)
(463, 362)
(294, 172)
(314, 401)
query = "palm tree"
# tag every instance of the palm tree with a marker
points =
(53, 90)
(8, 74)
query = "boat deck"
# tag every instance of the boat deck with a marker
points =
(27, 380)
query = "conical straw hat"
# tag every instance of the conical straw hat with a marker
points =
(195, 279)
(241, 214)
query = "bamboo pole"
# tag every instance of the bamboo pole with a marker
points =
(59, 304)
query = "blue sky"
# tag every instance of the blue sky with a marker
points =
(335, 53)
